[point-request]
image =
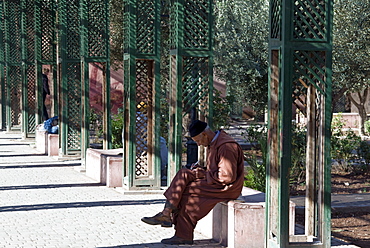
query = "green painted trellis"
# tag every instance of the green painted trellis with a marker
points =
(20, 81)
(2, 67)
(28, 69)
(95, 53)
(300, 74)
(13, 62)
(69, 78)
(142, 92)
(191, 75)
(45, 51)
(31, 33)
(83, 40)
(19, 76)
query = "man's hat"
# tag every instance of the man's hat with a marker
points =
(196, 127)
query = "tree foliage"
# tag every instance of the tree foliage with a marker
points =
(351, 52)
(241, 44)
(116, 33)
(351, 45)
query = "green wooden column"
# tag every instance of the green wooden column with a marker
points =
(95, 53)
(28, 99)
(13, 60)
(2, 67)
(45, 53)
(300, 49)
(191, 77)
(69, 77)
(142, 91)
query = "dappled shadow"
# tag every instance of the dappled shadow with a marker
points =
(343, 225)
(46, 206)
(50, 186)
(15, 144)
(24, 155)
(52, 164)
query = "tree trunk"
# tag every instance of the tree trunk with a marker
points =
(362, 96)
(336, 96)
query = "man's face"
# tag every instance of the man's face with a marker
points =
(201, 139)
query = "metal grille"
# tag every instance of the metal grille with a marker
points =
(144, 89)
(47, 21)
(74, 103)
(310, 67)
(195, 85)
(73, 30)
(145, 27)
(309, 19)
(97, 31)
(31, 99)
(196, 24)
(15, 87)
(275, 19)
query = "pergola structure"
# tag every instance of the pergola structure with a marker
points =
(69, 36)
(300, 47)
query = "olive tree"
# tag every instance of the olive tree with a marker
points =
(241, 50)
(351, 53)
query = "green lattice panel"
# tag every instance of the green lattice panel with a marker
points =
(275, 28)
(311, 65)
(13, 30)
(145, 40)
(2, 47)
(73, 31)
(97, 28)
(174, 35)
(15, 87)
(74, 106)
(195, 84)
(196, 26)
(31, 99)
(30, 31)
(144, 90)
(165, 9)
(309, 69)
(48, 21)
(310, 19)
(300, 95)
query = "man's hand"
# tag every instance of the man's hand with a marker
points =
(199, 173)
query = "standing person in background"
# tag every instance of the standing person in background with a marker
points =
(45, 91)
(194, 191)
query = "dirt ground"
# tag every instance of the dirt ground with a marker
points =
(351, 227)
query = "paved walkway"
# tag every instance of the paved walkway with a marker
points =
(49, 203)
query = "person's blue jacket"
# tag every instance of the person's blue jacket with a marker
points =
(48, 124)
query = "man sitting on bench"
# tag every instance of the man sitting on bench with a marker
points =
(194, 191)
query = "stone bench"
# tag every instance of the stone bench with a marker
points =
(53, 144)
(47, 143)
(240, 223)
(105, 166)
(41, 141)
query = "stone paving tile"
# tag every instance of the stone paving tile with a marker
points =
(60, 207)
(49, 203)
